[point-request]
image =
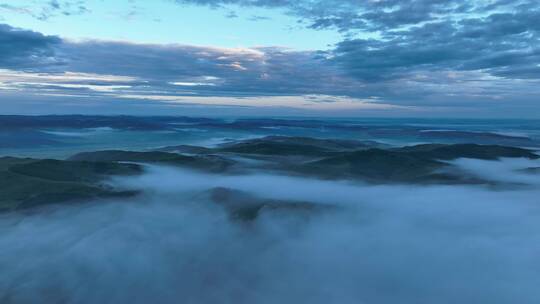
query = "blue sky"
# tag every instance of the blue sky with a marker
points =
(259, 57)
(167, 22)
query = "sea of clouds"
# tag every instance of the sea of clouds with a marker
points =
(380, 244)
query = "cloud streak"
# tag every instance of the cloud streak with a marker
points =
(49, 9)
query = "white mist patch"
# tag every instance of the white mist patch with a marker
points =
(383, 244)
(510, 170)
(81, 133)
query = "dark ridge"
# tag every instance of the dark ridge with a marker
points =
(148, 123)
(205, 162)
(447, 152)
(421, 163)
(188, 149)
(252, 124)
(472, 135)
(28, 183)
(73, 171)
(246, 207)
(26, 139)
(373, 164)
(285, 145)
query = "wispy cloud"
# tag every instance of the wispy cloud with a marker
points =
(48, 9)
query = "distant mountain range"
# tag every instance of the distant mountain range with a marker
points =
(28, 183)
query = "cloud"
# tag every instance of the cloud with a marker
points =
(258, 18)
(231, 15)
(315, 103)
(382, 244)
(503, 44)
(499, 36)
(346, 15)
(26, 49)
(460, 58)
(424, 52)
(49, 9)
(172, 69)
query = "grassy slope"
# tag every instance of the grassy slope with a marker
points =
(27, 183)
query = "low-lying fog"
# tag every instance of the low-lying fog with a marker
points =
(381, 244)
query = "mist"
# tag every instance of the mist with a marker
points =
(377, 244)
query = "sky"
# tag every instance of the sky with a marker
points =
(395, 58)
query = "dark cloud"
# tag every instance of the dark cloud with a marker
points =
(54, 4)
(25, 49)
(502, 44)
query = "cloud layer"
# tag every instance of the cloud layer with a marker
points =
(499, 36)
(481, 56)
(25, 49)
(381, 244)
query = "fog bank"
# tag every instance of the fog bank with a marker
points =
(381, 244)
